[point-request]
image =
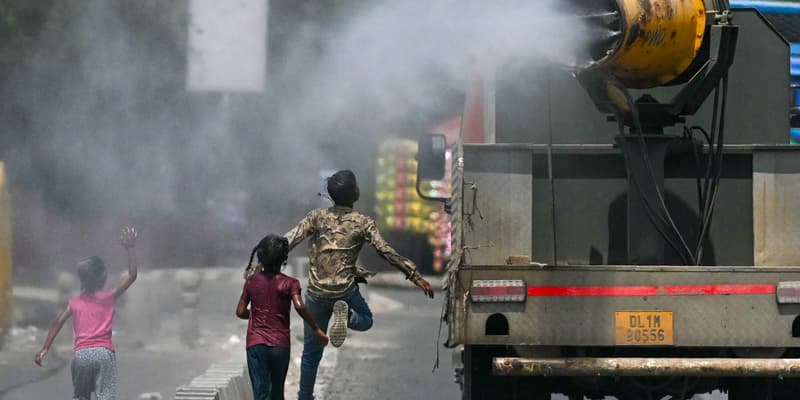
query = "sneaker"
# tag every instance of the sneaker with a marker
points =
(338, 331)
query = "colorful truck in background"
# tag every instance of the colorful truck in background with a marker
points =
(399, 208)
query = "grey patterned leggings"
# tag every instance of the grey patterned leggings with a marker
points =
(94, 370)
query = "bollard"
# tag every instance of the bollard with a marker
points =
(227, 381)
(190, 283)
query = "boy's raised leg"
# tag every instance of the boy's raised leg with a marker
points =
(360, 318)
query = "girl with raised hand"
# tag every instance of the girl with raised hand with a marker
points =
(94, 363)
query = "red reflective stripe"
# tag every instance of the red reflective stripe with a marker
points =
(592, 290)
(498, 290)
(684, 290)
(719, 289)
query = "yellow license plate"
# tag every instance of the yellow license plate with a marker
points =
(643, 328)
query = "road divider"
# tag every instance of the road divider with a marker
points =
(226, 381)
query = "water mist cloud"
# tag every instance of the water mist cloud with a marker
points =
(109, 128)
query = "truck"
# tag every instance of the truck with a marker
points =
(626, 225)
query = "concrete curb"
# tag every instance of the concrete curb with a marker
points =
(227, 381)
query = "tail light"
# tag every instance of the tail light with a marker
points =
(498, 291)
(788, 292)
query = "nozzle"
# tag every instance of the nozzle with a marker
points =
(601, 23)
(643, 43)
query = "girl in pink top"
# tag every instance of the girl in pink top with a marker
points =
(94, 365)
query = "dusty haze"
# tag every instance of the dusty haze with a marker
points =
(104, 132)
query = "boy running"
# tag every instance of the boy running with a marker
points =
(337, 235)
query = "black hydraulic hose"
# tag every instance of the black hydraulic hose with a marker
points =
(688, 134)
(638, 127)
(715, 157)
(550, 176)
(719, 155)
(709, 162)
(703, 131)
(651, 214)
(698, 169)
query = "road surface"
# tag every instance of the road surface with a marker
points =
(392, 361)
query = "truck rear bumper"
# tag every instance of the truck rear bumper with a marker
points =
(647, 367)
(607, 306)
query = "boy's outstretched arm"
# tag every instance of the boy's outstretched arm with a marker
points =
(301, 231)
(51, 335)
(301, 309)
(389, 254)
(128, 240)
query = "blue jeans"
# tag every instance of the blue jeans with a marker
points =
(321, 309)
(267, 366)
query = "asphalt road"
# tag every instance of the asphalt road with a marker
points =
(391, 361)
(139, 372)
(156, 368)
(395, 358)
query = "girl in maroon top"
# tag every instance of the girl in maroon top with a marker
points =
(270, 295)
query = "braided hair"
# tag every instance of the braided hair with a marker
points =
(272, 252)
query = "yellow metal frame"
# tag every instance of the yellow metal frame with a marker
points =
(660, 40)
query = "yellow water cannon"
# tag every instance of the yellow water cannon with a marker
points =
(646, 43)
(642, 44)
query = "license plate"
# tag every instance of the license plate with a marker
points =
(643, 328)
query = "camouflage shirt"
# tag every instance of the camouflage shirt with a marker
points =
(337, 235)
